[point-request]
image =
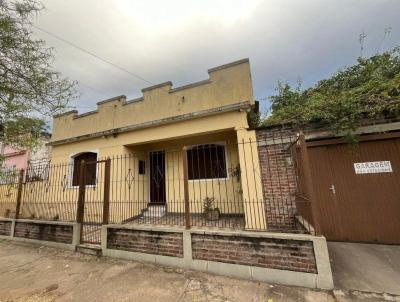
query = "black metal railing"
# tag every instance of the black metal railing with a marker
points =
(249, 184)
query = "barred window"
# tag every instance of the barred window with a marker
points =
(90, 159)
(206, 162)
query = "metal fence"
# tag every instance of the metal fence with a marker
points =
(245, 185)
(8, 192)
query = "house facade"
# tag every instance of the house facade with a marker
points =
(177, 178)
(201, 125)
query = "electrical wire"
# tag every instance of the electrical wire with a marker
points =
(92, 54)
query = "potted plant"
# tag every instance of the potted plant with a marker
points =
(236, 172)
(211, 212)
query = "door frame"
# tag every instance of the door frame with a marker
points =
(150, 181)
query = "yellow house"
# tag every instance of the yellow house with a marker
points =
(147, 139)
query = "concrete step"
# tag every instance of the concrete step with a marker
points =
(154, 211)
(89, 249)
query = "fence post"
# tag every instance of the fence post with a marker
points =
(19, 193)
(186, 188)
(309, 182)
(106, 203)
(81, 193)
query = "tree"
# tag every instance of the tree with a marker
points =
(366, 90)
(30, 90)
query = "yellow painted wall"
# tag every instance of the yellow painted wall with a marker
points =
(226, 86)
(130, 201)
(253, 200)
(129, 190)
(227, 193)
(8, 195)
(110, 145)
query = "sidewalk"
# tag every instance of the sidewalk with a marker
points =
(34, 273)
(366, 267)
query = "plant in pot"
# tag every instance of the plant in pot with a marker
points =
(236, 172)
(211, 212)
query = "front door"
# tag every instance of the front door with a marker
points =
(157, 177)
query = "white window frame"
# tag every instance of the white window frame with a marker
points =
(220, 143)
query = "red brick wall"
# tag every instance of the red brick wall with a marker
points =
(46, 232)
(278, 176)
(149, 242)
(5, 228)
(293, 255)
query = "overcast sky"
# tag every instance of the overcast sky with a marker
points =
(179, 40)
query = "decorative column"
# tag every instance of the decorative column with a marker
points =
(253, 202)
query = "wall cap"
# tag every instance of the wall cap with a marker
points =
(224, 66)
(7, 219)
(220, 232)
(65, 223)
(115, 98)
(168, 83)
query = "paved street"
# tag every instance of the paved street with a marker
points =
(34, 273)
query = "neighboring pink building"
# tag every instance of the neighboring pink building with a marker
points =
(15, 159)
(19, 159)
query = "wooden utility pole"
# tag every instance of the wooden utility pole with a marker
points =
(19, 193)
(106, 203)
(81, 193)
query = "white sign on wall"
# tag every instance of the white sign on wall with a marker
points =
(373, 167)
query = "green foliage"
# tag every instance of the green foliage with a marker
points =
(253, 118)
(366, 90)
(30, 89)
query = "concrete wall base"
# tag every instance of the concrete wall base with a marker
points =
(65, 246)
(323, 279)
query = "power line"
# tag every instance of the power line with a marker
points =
(91, 54)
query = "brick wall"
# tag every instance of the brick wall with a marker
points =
(283, 254)
(46, 232)
(5, 228)
(278, 175)
(149, 242)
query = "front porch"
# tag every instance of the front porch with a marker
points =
(191, 178)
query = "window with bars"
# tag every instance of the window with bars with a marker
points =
(206, 162)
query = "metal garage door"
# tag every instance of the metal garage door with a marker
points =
(358, 189)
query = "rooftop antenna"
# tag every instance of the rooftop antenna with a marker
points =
(361, 39)
(387, 32)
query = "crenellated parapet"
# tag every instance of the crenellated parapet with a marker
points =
(228, 87)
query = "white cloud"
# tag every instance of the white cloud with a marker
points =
(179, 40)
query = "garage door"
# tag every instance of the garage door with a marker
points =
(358, 190)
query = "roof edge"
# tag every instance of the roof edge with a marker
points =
(160, 122)
(228, 65)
